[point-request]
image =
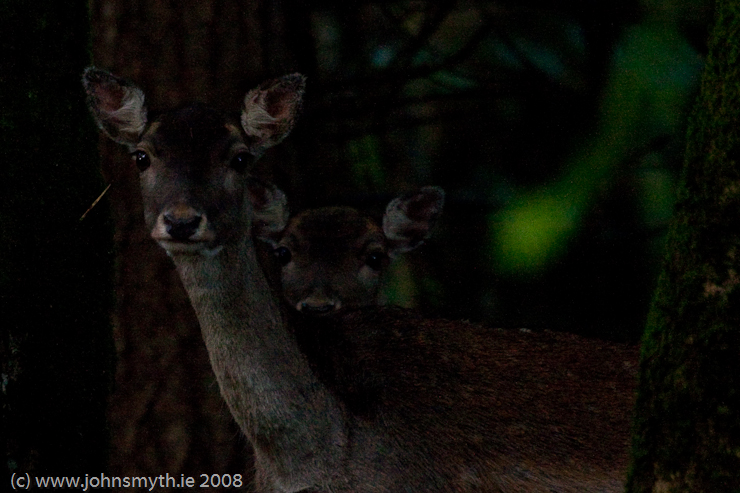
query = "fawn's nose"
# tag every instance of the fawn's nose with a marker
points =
(318, 306)
(317, 309)
(181, 227)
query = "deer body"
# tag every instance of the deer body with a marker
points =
(396, 403)
(478, 409)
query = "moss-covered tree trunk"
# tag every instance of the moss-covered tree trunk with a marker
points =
(56, 354)
(687, 429)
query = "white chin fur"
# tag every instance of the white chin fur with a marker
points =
(174, 248)
(212, 252)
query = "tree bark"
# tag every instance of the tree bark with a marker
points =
(687, 428)
(56, 352)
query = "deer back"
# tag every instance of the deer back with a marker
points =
(479, 408)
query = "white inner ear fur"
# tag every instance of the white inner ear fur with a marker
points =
(395, 221)
(255, 117)
(274, 215)
(404, 233)
(271, 215)
(131, 116)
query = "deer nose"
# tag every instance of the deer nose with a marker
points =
(181, 228)
(316, 307)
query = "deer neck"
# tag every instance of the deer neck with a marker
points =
(278, 402)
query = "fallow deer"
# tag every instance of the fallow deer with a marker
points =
(333, 259)
(399, 405)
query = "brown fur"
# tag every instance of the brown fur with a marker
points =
(336, 256)
(373, 400)
(329, 247)
(496, 410)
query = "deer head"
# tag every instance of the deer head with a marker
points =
(333, 258)
(194, 162)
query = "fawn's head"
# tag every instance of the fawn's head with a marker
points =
(193, 162)
(333, 258)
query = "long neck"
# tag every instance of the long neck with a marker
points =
(287, 414)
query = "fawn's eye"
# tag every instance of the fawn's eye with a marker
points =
(282, 255)
(142, 160)
(240, 161)
(375, 260)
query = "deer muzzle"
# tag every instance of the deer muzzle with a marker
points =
(318, 306)
(182, 228)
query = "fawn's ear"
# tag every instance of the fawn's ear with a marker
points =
(409, 219)
(116, 105)
(270, 207)
(270, 111)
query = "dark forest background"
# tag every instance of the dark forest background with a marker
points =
(556, 129)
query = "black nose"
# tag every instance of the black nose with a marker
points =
(181, 229)
(310, 309)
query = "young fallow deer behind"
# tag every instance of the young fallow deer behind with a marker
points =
(396, 404)
(332, 259)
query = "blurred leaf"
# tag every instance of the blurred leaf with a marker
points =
(455, 31)
(414, 22)
(367, 167)
(399, 287)
(383, 56)
(551, 44)
(544, 57)
(451, 80)
(654, 72)
(530, 235)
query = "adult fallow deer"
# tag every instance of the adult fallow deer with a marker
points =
(396, 404)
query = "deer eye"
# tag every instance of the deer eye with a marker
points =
(240, 161)
(282, 255)
(142, 160)
(375, 260)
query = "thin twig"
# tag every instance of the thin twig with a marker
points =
(95, 202)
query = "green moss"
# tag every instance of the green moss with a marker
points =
(687, 426)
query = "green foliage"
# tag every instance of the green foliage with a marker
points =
(652, 77)
(558, 128)
(367, 167)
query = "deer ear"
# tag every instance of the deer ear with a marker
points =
(409, 219)
(270, 207)
(116, 105)
(270, 111)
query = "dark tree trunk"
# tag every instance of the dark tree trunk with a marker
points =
(56, 351)
(687, 434)
(166, 414)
